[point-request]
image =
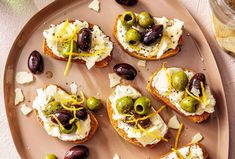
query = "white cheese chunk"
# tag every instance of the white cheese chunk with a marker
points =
(197, 138)
(114, 79)
(95, 5)
(25, 109)
(24, 77)
(174, 123)
(74, 88)
(141, 63)
(19, 97)
(116, 156)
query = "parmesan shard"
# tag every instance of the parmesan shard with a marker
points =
(19, 97)
(95, 5)
(25, 109)
(114, 79)
(197, 138)
(74, 88)
(141, 63)
(116, 156)
(24, 77)
(174, 123)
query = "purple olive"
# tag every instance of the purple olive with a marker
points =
(143, 123)
(152, 35)
(127, 2)
(84, 39)
(35, 62)
(77, 152)
(125, 70)
(82, 114)
(195, 84)
(63, 116)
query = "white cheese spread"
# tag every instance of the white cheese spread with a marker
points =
(100, 42)
(158, 125)
(171, 34)
(40, 102)
(162, 85)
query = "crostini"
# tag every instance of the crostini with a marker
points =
(194, 151)
(146, 37)
(133, 117)
(78, 41)
(63, 116)
(184, 91)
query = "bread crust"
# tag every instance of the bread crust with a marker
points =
(156, 94)
(50, 53)
(205, 154)
(168, 53)
(94, 125)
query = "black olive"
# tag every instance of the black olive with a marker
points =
(127, 2)
(143, 123)
(35, 62)
(84, 39)
(77, 152)
(82, 114)
(152, 35)
(195, 83)
(63, 116)
(125, 70)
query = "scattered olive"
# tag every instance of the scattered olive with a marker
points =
(152, 35)
(127, 2)
(35, 62)
(195, 84)
(128, 19)
(63, 116)
(50, 156)
(93, 103)
(133, 37)
(145, 19)
(84, 39)
(82, 114)
(77, 152)
(189, 104)
(68, 129)
(66, 48)
(142, 105)
(125, 70)
(124, 104)
(179, 80)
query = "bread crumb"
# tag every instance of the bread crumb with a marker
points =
(19, 97)
(174, 123)
(74, 88)
(197, 138)
(24, 77)
(95, 5)
(141, 63)
(114, 79)
(116, 156)
(25, 109)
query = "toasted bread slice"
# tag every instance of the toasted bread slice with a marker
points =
(205, 154)
(155, 93)
(168, 53)
(94, 125)
(50, 53)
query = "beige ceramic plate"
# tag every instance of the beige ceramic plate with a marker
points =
(31, 140)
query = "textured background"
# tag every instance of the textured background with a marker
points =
(15, 13)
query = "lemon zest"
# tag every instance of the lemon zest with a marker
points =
(193, 96)
(178, 153)
(78, 127)
(58, 121)
(63, 28)
(178, 135)
(204, 97)
(69, 60)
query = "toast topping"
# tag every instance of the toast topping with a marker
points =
(168, 83)
(163, 35)
(62, 114)
(136, 116)
(66, 41)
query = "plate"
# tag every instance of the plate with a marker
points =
(31, 139)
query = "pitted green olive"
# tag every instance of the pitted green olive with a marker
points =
(142, 105)
(68, 129)
(128, 19)
(133, 37)
(145, 19)
(93, 103)
(179, 80)
(189, 104)
(124, 104)
(50, 156)
(66, 48)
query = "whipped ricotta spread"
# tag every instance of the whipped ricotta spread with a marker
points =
(40, 102)
(189, 152)
(172, 31)
(158, 125)
(162, 85)
(100, 42)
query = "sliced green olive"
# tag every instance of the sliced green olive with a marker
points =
(69, 130)
(145, 19)
(93, 103)
(128, 19)
(124, 104)
(133, 37)
(189, 104)
(142, 105)
(52, 107)
(179, 80)
(50, 156)
(66, 48)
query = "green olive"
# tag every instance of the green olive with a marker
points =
(133, 37)
(93, 103)
(179, 80)
(124, 104)
(142, 105)
(189, 104)
(68, 131)
(50, 156)
(66, 48)
(52, 107)
(128, 19)
(145, 19)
